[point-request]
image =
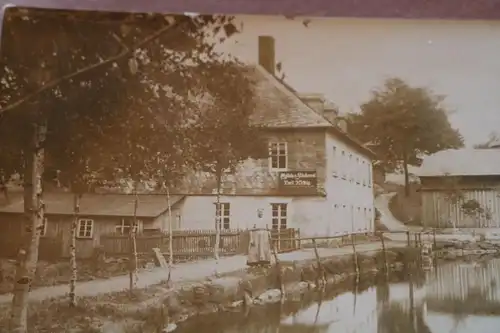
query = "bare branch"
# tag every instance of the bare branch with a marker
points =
(120, 41)
(126, 51)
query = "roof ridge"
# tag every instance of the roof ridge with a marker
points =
(279, 85)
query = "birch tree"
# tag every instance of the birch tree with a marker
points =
(99, 52)
(74, 234)
(225, 134)
(28, 254)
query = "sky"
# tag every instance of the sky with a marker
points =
(345, 59)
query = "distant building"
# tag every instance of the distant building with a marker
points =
(316, 178)
(475, 173)
(100, 214)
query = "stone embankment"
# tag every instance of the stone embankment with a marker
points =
(160, 307)
(254, 287)
(452, 250)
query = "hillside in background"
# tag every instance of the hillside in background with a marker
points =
(406, 209)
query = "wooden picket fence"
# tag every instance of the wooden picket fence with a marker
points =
(286, 240)
(196, 243)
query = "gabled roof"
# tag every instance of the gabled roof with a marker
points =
(461, 162)
(120, 205)
(279, 106)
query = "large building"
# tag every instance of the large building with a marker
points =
(316, 178)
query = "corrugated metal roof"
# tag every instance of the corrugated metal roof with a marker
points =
(100, 204)
(461, 162)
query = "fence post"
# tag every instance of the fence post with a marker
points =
(298, 239)
(355, 256)
(279, 240)
(408, 239)
(277, 266)
(384, 253)
(434, 239)
(321, 277)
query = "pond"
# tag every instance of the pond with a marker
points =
(454, 297)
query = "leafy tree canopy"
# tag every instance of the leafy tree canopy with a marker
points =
(492, 137)
(129, 111)
(401, 123)
(224, 131)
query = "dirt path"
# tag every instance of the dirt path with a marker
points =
(386, 217)
(199, 270)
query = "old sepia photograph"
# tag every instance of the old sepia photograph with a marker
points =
(190, 171)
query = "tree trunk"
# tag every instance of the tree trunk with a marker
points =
(170, 240)
(412, 304)
(170, 230)
(133, 244)
(74, 272)
(3, 187)
(217, 219)
(407, 176)
(28, 254)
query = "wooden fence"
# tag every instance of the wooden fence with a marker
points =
(196, 243)
(286, 240)
(50, 248)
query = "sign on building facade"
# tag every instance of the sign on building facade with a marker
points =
(296, 180)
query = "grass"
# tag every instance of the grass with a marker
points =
(50, 274)
(90, 314)
(407, 209)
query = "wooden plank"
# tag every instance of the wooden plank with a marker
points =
(160, 258)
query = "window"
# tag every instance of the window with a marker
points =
(85, 228)
(278, 155)
(43, 228)
(225, 215)
(279, 215)
(334, 162)
(123, 228)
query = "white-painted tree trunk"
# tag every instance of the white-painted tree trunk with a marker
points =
(133, 245)
(28, 254)
(74, 232)
(218, 211)
(170, 236)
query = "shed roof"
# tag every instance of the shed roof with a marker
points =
(461, 162)
(99, 204)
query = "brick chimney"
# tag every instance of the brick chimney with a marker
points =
(267, 57)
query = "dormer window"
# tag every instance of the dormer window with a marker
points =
(278, 156)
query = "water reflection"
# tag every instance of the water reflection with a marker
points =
(455, 298)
